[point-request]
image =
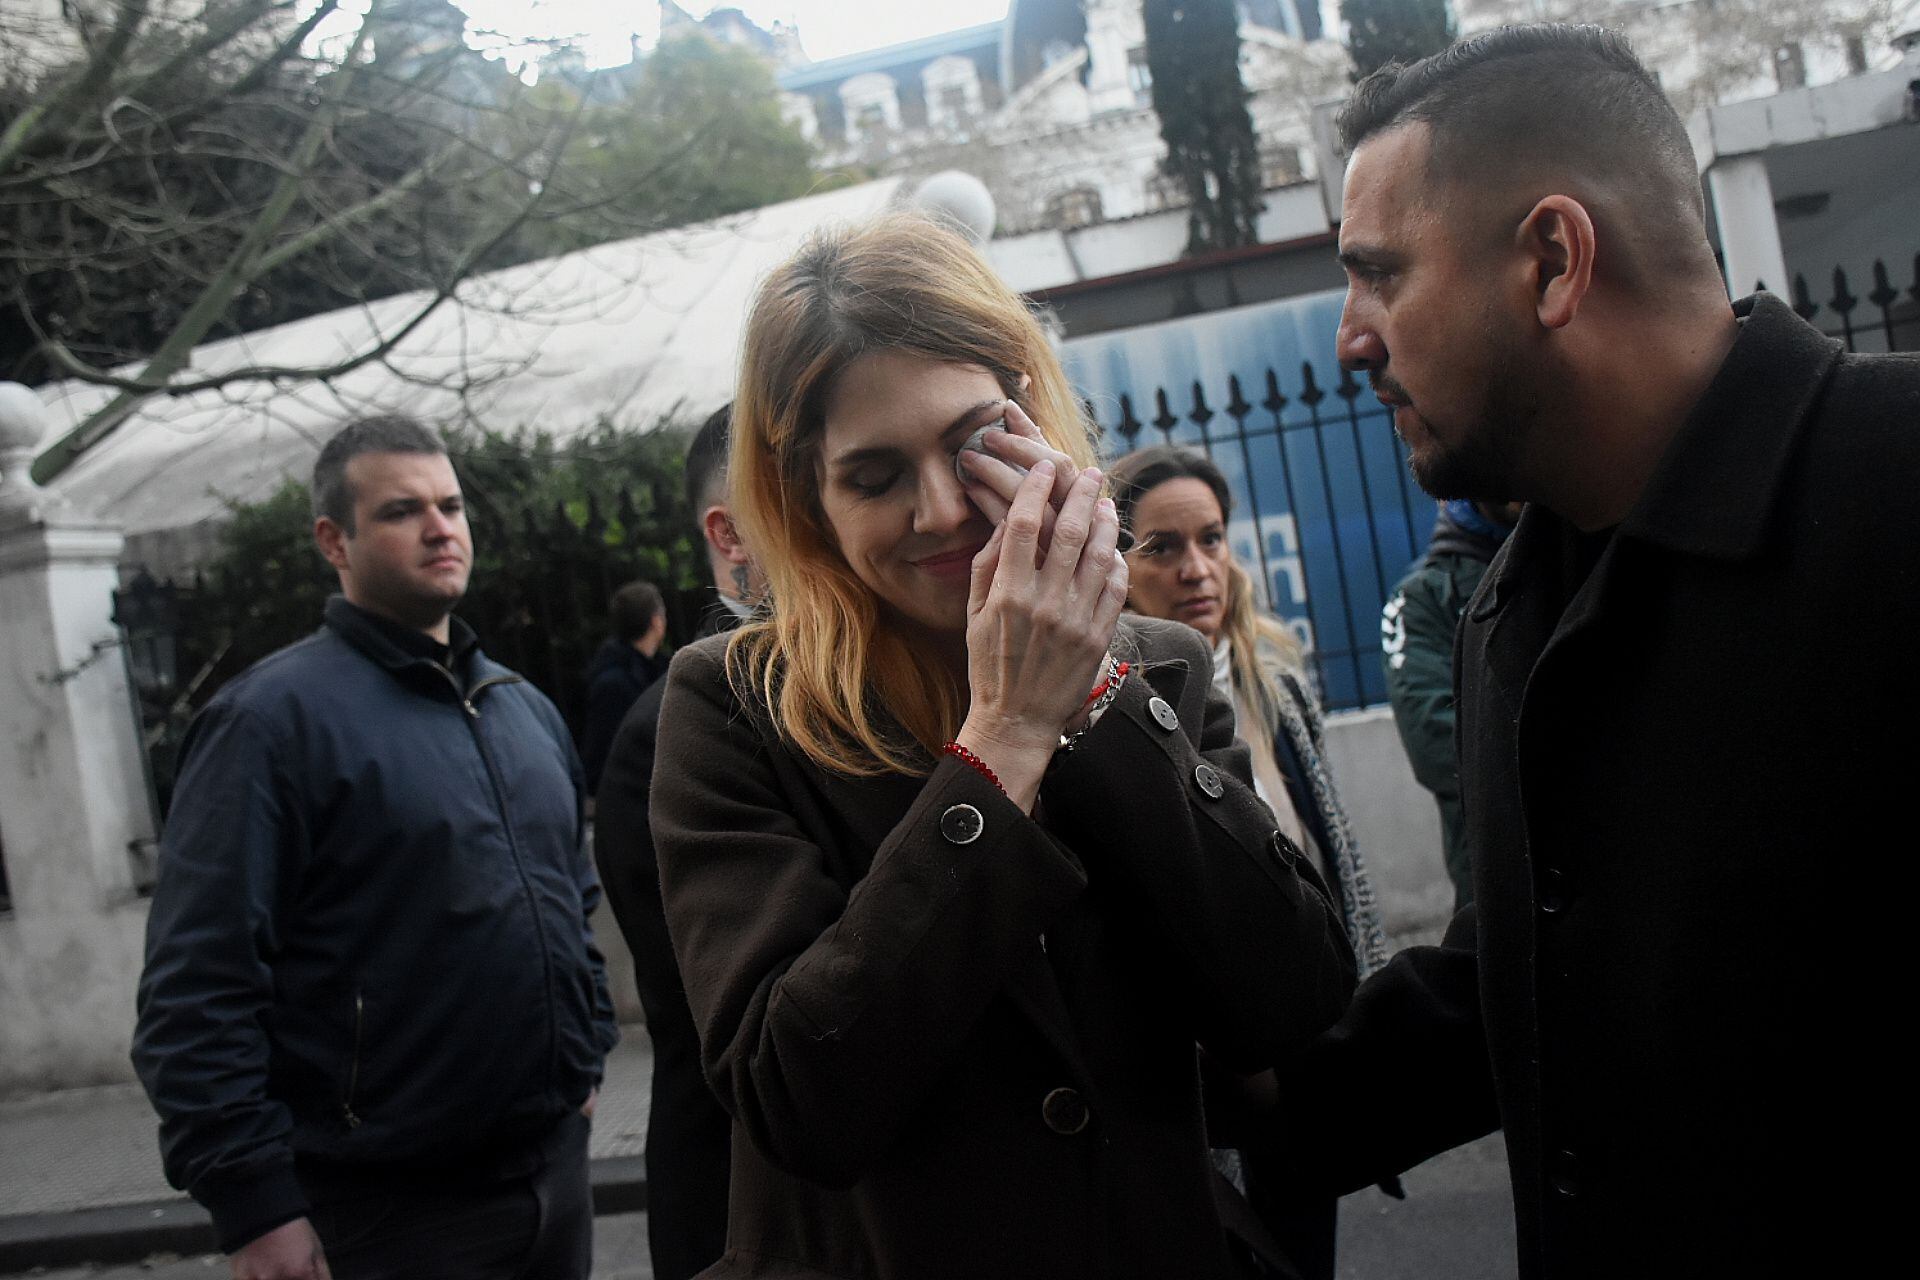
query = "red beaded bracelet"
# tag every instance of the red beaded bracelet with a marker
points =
(968, 758)
(1119, 674)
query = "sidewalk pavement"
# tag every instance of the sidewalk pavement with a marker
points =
(80, 1176)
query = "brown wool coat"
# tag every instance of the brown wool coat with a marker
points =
(977, 1059)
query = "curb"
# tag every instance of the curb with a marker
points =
(129, 1233)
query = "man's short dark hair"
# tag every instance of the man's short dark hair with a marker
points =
(1514, 97)
(707, 459)
(633, 609)
(384, 433)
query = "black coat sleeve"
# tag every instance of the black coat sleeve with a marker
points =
(234, 841)
(629, 872)
(1403, 1076)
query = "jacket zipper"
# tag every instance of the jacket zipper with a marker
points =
(353, 1069)
(468, 704)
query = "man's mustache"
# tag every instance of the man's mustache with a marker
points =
(1392, 389)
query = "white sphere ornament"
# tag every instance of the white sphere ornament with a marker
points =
(960, 200)
(23, 424)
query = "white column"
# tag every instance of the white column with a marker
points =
(73, 791)
(1749, 234)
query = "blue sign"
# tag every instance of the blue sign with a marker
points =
(1326, 518)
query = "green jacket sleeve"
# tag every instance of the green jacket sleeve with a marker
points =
(1416, 644)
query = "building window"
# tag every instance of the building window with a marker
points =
(1790, 66)
(1165, 193)
(952, 87)
(1139, 76)
(1856, 55)
(955, 105)
(1279, 166)
(1079, 207)
(872, 105)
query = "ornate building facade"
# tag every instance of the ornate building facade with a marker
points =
(1051, 107)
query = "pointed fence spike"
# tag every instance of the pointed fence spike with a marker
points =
(1273, 402)
(1842, 301)
(1236, 407)
(1311, 394)
(1128, 426)
(1201, 414)
(1164, 419)
(1347, 389)
(1803, 304)
(1884, 295)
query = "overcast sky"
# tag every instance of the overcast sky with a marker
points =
(828, 28)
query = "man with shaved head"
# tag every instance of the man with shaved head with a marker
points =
(1684, 732)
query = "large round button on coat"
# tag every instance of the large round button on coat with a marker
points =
(1284, 849)
(1207, 778)
(1065, 1112)
(1163, 714)
(962, 824)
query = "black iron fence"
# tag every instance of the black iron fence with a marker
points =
(1322, 495)
(1892, 324)
(543, 575)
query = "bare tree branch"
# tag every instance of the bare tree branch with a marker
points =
(78, 90)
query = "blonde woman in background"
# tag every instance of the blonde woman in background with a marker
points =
(959, 864)
(1175, 503)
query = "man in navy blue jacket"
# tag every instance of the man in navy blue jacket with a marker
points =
(373, 1018)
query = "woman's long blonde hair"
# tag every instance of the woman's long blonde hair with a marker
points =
(1260, 645)
(836, 680)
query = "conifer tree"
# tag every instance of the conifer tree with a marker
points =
(1383, 31)
(1193, 55)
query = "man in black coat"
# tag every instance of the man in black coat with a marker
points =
(625, 664)
(687, 1132)
(1685, 730)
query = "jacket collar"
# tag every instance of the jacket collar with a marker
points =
(404, 651)
(1714, 490)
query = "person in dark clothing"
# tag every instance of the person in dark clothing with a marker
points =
(371, 825)
(1416, 647)
(622, 668)
(1680, 744)
(1176, 504)
(687, 1132)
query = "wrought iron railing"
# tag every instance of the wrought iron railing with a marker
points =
(1322, 480)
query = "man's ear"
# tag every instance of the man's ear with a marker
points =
(332, 541)
(717, 525)
(1558, 238)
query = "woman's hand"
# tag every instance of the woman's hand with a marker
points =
(992, 483)
(1039, 624)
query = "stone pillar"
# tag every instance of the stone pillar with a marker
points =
(1749, 233)
(73, 791)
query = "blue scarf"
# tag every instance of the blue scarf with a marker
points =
(1469, 519)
